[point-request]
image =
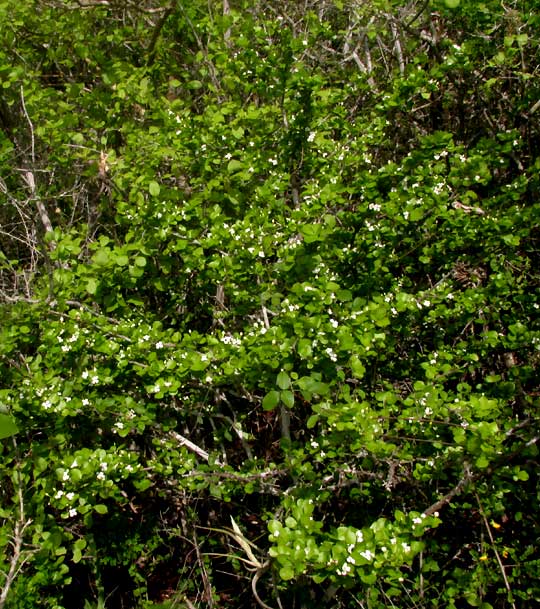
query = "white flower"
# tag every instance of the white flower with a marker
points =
(59, 494)
(70, 496)
(311, 136)
(417, 520)
(367, 554)
(100, 476)
(344, 569)
(331, 354)
(94, 380)
(359, 537)
(438, 188)
(85, 402)
(85, 374)
(47, 404)
(159, 345)
(72, 512)
(65, 476)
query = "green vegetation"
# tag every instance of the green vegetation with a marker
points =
(269, 304)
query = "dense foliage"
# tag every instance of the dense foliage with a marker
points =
(269, 299)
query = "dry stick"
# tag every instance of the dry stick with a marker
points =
(283, 412)
(369, 64)
(16, 562)
(421, 559)
(449, 496)
(254, 581)
(155, 35)
(206, 581)
(226, 12)
(31, 127)
(501, 565)
(470, 477)
(30, 182)
(191, 446)
(397, 48)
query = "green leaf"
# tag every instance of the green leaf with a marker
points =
(283, 380)
(287, 397)
(271, 400)
(482, 462)
(101, 257)
(121, 260)
(286, 573)
(452, 3)
(91, 286)
(312, 421)
(100, 508)
(357, 368)
(140, 261)
(234, 166)
(7, 426)
(77, 555)
(153, 188)
(304, 348)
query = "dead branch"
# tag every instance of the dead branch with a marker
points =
(494, 548)
(18, 556)
(460, 486)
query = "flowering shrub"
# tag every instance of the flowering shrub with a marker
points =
(269, 304)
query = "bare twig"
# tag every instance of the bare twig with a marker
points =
(501, 565)
(156, 33)
(397, 48)
(28, 176)
(18, 555)
(206, 580)
(32, 139)
(254, 581)
(183, 441)
(467, 477)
